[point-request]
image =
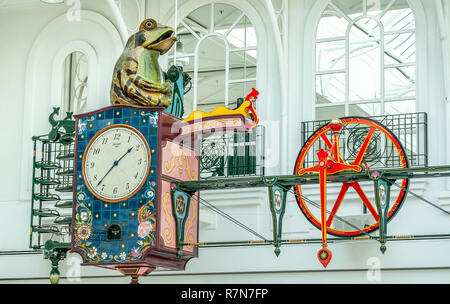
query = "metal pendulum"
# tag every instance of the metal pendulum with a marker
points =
(324, 253)
(336, 126)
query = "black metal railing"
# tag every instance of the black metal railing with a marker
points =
(233, 154)
(410, 129)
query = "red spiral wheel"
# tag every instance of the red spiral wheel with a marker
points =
(362, 142)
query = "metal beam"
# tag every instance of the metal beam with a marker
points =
(315, 240)
(292, 180)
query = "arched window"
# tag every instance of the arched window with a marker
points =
(217, 47)
(365, 59)
(75, 80)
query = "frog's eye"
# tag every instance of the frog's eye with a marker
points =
(149, 25)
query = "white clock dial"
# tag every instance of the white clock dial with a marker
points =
(116, 163)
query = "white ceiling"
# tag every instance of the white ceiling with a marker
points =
(16, 3)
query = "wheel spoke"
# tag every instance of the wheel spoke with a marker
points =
(338, 202)
(365, 200)
(326, 140)
(329, 144)
(364, 147)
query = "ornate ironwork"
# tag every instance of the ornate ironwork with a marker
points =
(233, 154)
(52, 183)
(410, 129)
(355, 139)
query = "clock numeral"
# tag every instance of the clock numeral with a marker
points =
(105, 141)
(127, 186)
(92, 165)
(103, 187)
(138, 147)
(96, 151)
(129, 137)
(117, 136)
(139, 161)
(135, 177)
(115, 190)
(95, 177)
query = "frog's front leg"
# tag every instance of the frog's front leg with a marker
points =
(140, 82)
(140, 96)
(130, 68)
(162, 93)
(146, 98)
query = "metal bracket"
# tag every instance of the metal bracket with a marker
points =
(180, 208)
(382, 200)
(277, 199)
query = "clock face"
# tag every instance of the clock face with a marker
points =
(116, 163)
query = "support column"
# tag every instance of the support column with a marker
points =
(442, 13)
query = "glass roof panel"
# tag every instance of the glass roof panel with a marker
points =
(366, 50)
(331, 24)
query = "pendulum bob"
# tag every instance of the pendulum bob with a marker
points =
(54, 275)
(324, 255)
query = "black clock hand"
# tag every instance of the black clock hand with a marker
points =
(114, 165)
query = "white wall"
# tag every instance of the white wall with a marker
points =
(36, 34)
(40, 37)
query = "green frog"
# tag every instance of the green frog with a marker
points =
(138, 78)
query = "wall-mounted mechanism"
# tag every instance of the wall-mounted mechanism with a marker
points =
(179, 80)
(52, 186)
(332, 166)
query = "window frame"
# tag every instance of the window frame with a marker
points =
(382, 100)
(228, 50)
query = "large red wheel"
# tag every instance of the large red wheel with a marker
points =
(363, 142)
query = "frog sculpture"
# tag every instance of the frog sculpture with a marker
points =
(138, 78)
